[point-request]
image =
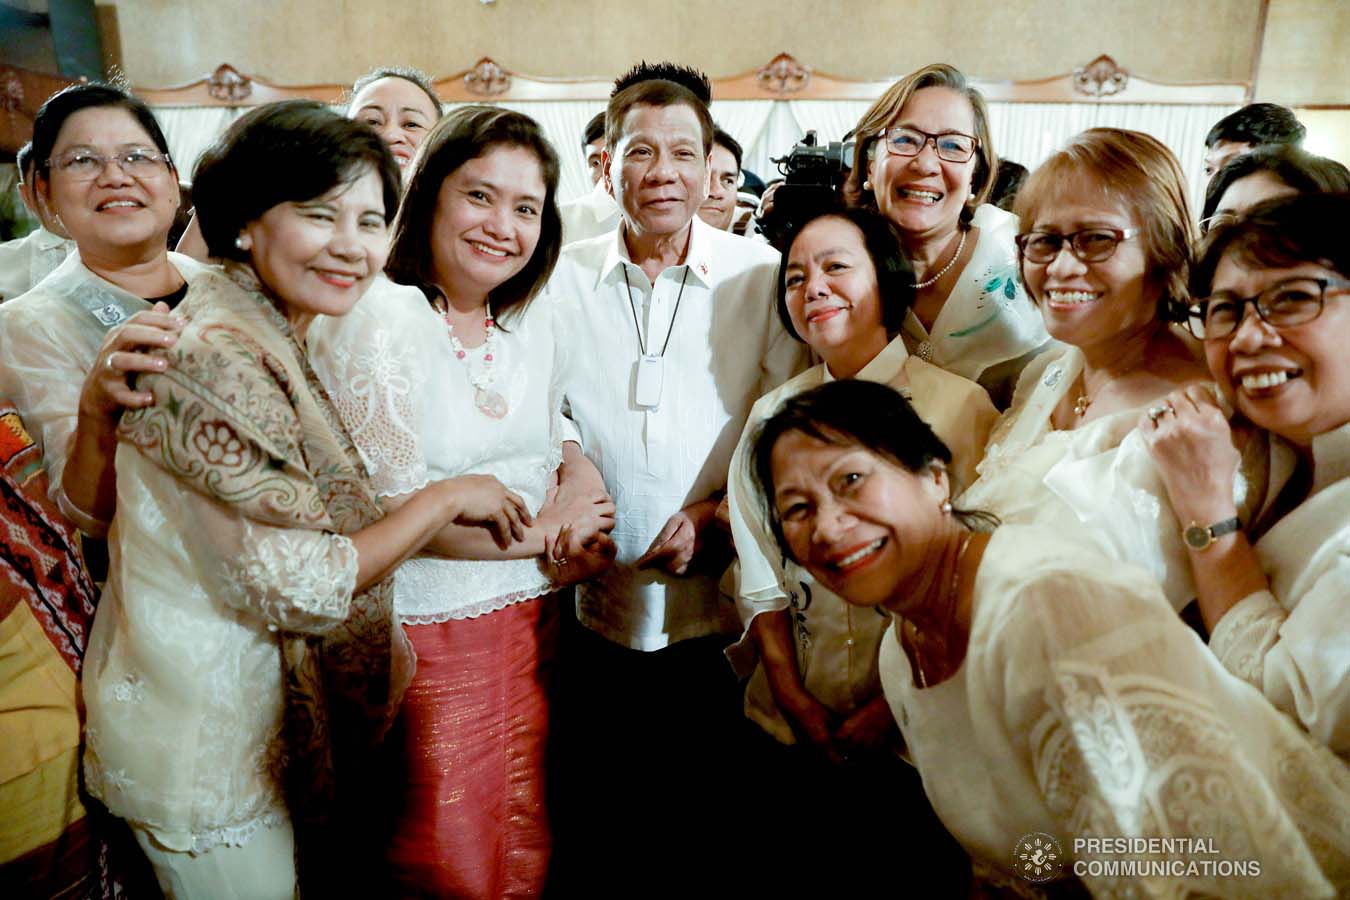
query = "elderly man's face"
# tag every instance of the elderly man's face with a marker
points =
(724, 176)
(658, 173)
(1222, 152)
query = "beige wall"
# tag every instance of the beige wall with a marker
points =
(166, 42)
(1306, 57)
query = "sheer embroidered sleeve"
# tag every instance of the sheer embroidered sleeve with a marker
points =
(370, 363)
(1300, 660)
(1133, 729)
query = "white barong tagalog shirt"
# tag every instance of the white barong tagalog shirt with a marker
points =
(727, 348)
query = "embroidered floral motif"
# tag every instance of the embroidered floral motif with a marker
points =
(217, 442)
(130, 689)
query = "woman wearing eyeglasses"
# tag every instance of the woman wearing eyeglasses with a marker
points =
(926, 161)
(73, 345)
(1105, 249)
(1275, 321)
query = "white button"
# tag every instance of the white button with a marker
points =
(271, 627)
(849, 642)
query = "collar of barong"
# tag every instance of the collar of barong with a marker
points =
(240, 417)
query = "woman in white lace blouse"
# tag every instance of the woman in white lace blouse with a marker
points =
(458, 373)
(245, 657)
(1273, 310)
(1105, 251)
(1045, 692)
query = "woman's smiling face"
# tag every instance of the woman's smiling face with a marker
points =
(861, 524)
(923, 195)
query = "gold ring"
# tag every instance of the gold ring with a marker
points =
(560, 561)
(1156, 413)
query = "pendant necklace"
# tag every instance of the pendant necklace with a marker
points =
(489, 402)
(949, 618)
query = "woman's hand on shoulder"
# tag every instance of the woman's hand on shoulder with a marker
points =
(133, 347)
(1192, 443)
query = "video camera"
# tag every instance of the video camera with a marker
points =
(812, 177)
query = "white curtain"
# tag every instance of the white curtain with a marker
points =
(1030, 132)
(191, 129)
(564, 123)
(750, 123)
(1025, 132)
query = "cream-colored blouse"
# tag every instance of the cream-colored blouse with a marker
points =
(1086, 708)
(836, 643)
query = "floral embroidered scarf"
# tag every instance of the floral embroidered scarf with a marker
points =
(241, 418)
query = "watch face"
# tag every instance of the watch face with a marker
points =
(1197, 536)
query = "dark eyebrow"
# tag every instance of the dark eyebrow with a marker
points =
(480, 182)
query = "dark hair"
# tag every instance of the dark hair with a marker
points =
(413, 76)
(1011, 177)
(688, 77)
(895, 276)
(1280, 233)
(659, 93)
(888, 107)
(468, 133)
(283, 152)
(595, 130)
(1294, 166)
(723, 139)
(65, 103)
(852, 411)
(1258, 123)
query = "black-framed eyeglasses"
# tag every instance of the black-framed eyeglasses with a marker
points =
(1089, 245)
(1293, 301)
(952, 146)
(86, 165)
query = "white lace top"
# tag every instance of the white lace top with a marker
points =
(49, 339)
(1097, 481)
(408, 403)
(1085, 708)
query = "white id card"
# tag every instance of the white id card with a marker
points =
(647, 378)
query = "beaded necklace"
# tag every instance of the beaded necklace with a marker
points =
(489, 402)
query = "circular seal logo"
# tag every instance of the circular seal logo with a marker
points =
(1037, 857)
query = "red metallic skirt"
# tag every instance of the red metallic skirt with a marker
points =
(472, 821)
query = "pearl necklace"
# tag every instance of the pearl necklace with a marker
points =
(918, 286)
(489, 402)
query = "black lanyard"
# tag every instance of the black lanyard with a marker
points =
(642, 346)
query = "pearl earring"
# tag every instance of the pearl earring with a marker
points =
(241, 243)
(867, 185)
(946, 507)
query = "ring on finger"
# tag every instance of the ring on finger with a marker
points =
(560, 560)
(1156, 413)
(109, 362)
